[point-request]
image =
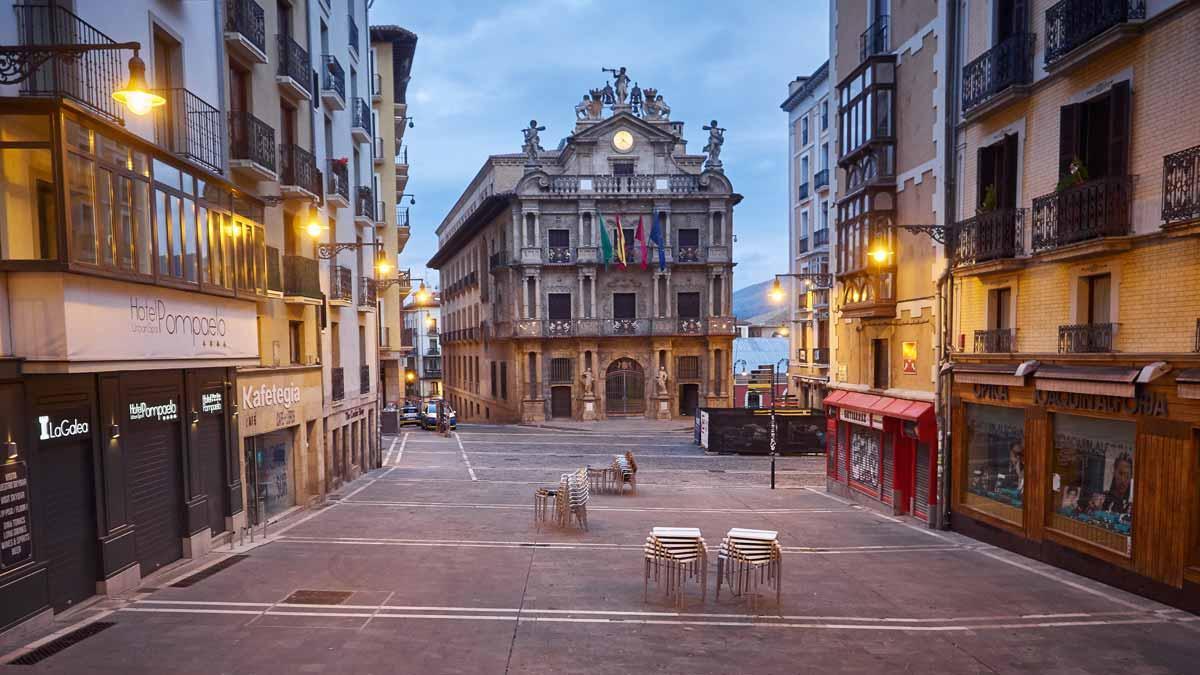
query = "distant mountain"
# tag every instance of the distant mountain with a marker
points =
(752, 301)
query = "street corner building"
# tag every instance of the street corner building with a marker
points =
(177, 362)
(592, 281)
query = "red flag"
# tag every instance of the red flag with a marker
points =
(640, 236)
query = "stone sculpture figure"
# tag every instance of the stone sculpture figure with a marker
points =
(607, 96)
(660, 381)
(716, 138)
(589, 382)
(635, 99)
(582, 108)
(655, 108)
(622, 82)
(533, 142)
(596, 107)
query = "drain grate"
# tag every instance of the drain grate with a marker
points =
(716, 470)
(311, 597)
(57, 645)
(207, 572)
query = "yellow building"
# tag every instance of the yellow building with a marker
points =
(1077, 289)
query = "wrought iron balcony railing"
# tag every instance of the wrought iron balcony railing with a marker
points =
(802, 191)
(353, 41)
(820, 238)
(874, 40)
(294, 62)
(1181, 186)
(333, 77)
(497, 260)
(1007, 64)
(402, 155)
(401, 216)
(246, 18)
(251, 139)
(361, 114)
(1091, 210)
(364, 202)
(1071, 23)
(996, 341)
(88, 78)
(821, 179)
(301, 277)
(337, 381)
(337, 183)
(994, 235)
(298, 168)
(1087, 338)
(341, 287)
(191, 128)
(802, 245)
(367, 294)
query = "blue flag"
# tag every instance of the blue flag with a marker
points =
(656, 237)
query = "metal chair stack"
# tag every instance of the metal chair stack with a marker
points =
(747, 559)
(675, 555)
(576, 499)
(624, 468)
(567, 502)
(602, 480)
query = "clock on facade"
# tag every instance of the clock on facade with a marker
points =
(622, 141)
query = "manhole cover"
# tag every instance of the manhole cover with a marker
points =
(310, 597)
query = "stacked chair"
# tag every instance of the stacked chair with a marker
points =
(675, 555)
(624, 471)
(747, 559)
(567, 502)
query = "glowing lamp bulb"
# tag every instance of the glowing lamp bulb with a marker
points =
(313, 229)
(776, 294)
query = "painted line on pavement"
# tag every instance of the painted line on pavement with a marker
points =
(923, 530)
(1053, 577)
(387, 460)
(466, 461)
(609, 444)
(626, 509)
(673, 486)
(22, 651)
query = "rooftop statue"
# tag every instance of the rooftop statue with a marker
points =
(716, 138)
(533, 142)
(622, 82)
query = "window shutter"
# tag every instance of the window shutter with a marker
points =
(1118, 125)
(1007, 183)
(985, 173)
(1068, 136)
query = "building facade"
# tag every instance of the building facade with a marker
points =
(1074, 415)
(422, 330)
(392, 51)
(812, 128)
(537, 326)
(882, 437)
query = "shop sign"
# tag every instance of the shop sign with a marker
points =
(356, 413)
(1145, 403)
(16, 532)
(285, 418)
(212, 402)
(704, 430)
(165, 412)
(992, 392)
(51, 429)
(269, 395)
(908, 352)
(859, 417)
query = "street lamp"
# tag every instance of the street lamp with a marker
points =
(135, 94)
(22, 61)
(411, 199)
(783, 331)
(815, 279)
(743, 370)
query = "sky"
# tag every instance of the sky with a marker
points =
(484, 68)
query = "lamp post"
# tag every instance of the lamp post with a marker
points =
(19, 62)
(774, 377)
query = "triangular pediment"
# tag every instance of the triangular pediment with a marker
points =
(603, 129)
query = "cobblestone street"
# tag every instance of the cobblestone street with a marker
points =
(432, 564)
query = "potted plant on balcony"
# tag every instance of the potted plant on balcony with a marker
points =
(990, 200)
(1077, 174)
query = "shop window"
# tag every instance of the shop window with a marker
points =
(995, 441)
(864, 456)
(1091, 481)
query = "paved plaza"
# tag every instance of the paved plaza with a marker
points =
(432, 564)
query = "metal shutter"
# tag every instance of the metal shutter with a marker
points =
(889, 468)
(921, 500)
(69, 543)
(210, 436)
(153, 477)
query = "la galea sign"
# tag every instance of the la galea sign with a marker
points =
(269, 395)
(54, 429)
(107, 320)
(162, 412)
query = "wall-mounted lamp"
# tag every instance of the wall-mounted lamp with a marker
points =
(114, 431)
(10, 449)
(235, 410)
(195, 417)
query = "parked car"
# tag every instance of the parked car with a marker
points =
(429, 415)
(410, 414)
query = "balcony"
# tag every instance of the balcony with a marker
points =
(377, 151)
(802, 192)
(559, 255)
(689, 254)
(874, 40)
(1087, 338)
(802, 245)
(498, 260)
(190, 128)
(996, 341)
(820, 238)
(299, 177)
(1072, 25)
(274, 273)
(246, 30)
(251, 146)
(820, 356)
(367, 298)
(341, 286)
(1086, 212)
(333, 83)
(868, 285)
(1181, 187)
(376, 88)
(301, 280)
(689, 326)
(637, 184)
(360, 123)
(88, 78)
(821, 179)
(401, 160)
(337, 184)
(998, 76)
(294, 73)
(353, 32)
(337, 382)
(364, 206)
(997, 235)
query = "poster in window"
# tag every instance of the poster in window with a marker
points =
(864, 456)
(1092, 478)
(996, 453)
(908, 352)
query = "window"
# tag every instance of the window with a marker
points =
(559, 306)
(804, 130)
(825, 157)
(624, 306)
(879, 360)
(688, 305)
(335, 344)
(825, 115)
(561, 371)
(28, 199)
(1095, 295)
(1091, 480)
(1000, 308)
(492, 372)
(688, 368)
(804, 228)
(996, 176)
(824, 214)
(622, 168)
(996, 461)
(804, 170)
(560, 238)
(504, 380)
(296, 342)
(866, 110)
(1096, 133)
(689, 237)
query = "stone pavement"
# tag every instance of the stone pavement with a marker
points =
(432, 565)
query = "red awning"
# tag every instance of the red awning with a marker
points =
(887, 406)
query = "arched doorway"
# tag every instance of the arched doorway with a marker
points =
(625, 388)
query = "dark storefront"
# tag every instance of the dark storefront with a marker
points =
(1092, 467)
(882, 449)
(106, 478)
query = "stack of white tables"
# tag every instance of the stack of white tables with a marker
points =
(749, 558)
(675, 555)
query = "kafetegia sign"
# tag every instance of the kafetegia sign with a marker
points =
(269, 395)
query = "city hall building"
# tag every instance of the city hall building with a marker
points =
(537, 326)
